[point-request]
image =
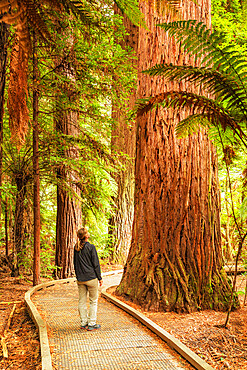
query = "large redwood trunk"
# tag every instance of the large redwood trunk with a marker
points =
(124, 141)
(68, 204)
(175, 260)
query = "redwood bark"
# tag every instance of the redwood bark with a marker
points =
(175, 259)
(124, 141)
(3, 60)
(68, 207)
(36, 177)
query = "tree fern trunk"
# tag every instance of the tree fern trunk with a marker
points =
(175, 260)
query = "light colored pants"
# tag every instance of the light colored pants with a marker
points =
(90, 287)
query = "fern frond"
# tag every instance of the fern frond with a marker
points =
(191, 125)
(209, 108)
(35, 17)
(131, 9)
(225, 86)
(201, 42)
(82, 9)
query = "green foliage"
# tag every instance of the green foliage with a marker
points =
(101, 74)
(131, 9)
(243, 209)
(230, 17)
(222, 72)
(232, 189)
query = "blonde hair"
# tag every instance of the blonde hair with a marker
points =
(82, 235)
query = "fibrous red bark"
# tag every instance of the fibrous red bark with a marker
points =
(124, 141)
(175, 259)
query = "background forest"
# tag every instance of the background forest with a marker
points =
(68, 76)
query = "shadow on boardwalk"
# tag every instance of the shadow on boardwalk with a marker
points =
(121, 343)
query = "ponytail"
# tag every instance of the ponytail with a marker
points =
(82, 235)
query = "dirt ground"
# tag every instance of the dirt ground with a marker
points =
(21, 337)
(200, 331)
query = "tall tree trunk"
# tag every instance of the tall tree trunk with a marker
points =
(3, 60)
(228, 246)
(6, 228)
(175, 260)
(68, 207)
(21, 180)
(36, 178)
(8, 215)
(124, 141)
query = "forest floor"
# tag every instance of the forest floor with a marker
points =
(204, 333)
(200, 331)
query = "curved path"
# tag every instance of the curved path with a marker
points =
(121, 343)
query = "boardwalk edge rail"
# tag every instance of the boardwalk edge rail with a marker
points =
(173, 342)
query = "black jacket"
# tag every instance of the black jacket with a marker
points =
(86, 263)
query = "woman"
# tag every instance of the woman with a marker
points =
(88, 274)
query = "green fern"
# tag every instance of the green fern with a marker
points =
(223, 74)
(191, 125)
(199, 41)
(131, 9)
(222, 84)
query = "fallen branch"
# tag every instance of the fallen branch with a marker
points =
(13, 302)
(3, 343)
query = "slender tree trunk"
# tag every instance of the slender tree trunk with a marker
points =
(68, 207)
(8, 214)
(175, 260)
(6, 228)
(21, 183)
(3, 60)
(36, 178)
(229, 248)
(124, 141)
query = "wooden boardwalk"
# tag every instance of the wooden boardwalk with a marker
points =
(121, 343)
